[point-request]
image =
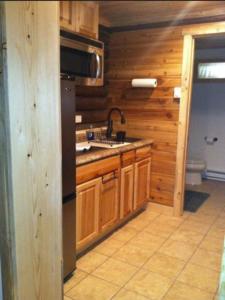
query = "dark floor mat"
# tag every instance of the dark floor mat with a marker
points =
(193, 200)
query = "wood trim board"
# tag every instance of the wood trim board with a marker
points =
(31, 193)
(201, 20)
(185, 106)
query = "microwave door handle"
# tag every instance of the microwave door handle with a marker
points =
(98, 66)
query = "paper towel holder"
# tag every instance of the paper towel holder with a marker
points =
(144, 83)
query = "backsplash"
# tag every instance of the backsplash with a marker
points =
(99, 131)
(83, 126)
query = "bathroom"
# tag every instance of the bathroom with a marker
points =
(205, 165)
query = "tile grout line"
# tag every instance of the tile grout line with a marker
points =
(166, 239)
(108, 257)
(141, 267)
(188, 261)
(138, 268)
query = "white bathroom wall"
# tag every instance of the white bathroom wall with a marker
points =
(208, 119)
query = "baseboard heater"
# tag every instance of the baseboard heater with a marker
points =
(214, 175)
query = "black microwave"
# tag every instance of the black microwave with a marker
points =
(83, 58)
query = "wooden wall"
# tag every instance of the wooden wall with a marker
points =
(150, 53)
(30, 176)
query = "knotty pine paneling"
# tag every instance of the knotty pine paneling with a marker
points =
(149, 112)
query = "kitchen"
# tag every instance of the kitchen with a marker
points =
(117, 188)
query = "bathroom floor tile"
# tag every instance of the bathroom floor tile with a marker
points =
(108, 247)
(181, 291)
(207, 259)
(195, 226)
(124, 234)
(150, 215)
(149, 284)
(200, 277)
(217, 233)
(132, 255)
(159, 229)
(92, 288)
(74, 280)
(115, 271)
(165, 265)
(170, 221)
(202, 218)
(177, 249)
(185, 235)
(128, 295)
(138, 223)
(90, 261)
(147, 241)
(212, 244)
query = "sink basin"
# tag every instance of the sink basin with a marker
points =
(103, 143)
(106, 143)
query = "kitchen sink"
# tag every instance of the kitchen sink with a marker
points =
(108, 143)
(98, 144)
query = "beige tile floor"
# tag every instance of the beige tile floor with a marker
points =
(157, 257)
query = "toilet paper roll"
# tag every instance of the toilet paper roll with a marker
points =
(210, 140)
(144, 82)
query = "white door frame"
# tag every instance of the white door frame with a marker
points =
(190, 35)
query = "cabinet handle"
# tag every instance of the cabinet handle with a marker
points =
(114, 176)
(98, 66)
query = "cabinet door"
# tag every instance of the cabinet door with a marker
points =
(67, 15)
(142, 182)
(87, 212)
(87, 18)
(127, 191)
(109, 208)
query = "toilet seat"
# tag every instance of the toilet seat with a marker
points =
(195, 162)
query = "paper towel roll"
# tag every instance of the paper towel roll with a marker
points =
(144, 82)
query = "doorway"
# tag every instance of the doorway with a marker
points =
(205, 160)
(190, 39)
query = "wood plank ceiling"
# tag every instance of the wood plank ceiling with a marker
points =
(130, 13)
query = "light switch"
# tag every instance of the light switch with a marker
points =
(177, 92)
(78, 119)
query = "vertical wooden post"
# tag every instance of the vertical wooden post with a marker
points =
(185, 105)
(30, 151)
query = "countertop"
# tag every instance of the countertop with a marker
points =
(100, 153)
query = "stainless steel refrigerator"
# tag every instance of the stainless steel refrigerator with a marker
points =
(68, 174)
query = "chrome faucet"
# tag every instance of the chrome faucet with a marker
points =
(110, 121)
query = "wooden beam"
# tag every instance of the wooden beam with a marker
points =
(206, 30)
(185, 104)
(30, 178)
(190, 21)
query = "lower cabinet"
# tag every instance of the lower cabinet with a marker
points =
(97, 207)
(142, 182)
(87, 212)
(109, 200)
(126, 191)
(103, 202)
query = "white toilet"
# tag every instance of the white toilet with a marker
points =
(194, 169)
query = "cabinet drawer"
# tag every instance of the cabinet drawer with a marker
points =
(127, 158)
(143, 152)
(97, 169)
(110, 176)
